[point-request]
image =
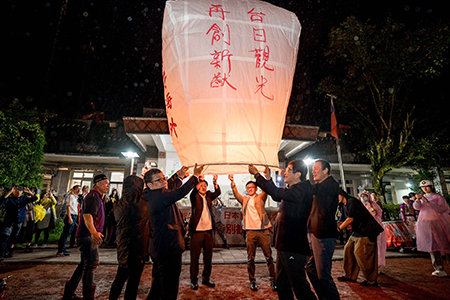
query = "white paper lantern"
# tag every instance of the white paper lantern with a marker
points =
(228, 68)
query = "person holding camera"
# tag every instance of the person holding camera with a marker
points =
(48, 201)
(15, 203)
(433, 226)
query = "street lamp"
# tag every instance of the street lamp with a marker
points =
(131, 155)
(309, 162)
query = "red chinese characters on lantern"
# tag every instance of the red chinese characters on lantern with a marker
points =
(169, 106)
(172, 128)
(262, 57)
(219, 80)
(256, 16)
(168, 101)
(220, 59)
(259, 35)
(260, 84)
(216, 9)
(218, 34)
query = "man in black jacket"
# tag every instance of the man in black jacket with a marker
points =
(323, 232)
(201, 226)
(291, 239)
(132, 237)
(360, 252)
(166, 228)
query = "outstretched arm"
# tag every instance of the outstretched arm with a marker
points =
(217, 191)
(278, 194)
(236, 194)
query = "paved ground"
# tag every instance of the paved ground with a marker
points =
(41, 275)
(234, 255)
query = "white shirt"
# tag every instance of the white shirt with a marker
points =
(205, 222)
(252, 220)
(72, 202)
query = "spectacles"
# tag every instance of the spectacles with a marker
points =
(162, 179)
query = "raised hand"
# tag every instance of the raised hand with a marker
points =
(252, 170)
(230, 176)
(182, 173)
(267, 173)
(198, 170)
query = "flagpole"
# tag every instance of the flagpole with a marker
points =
(338, 150)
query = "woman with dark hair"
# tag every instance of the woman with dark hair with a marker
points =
(114, 196)
(132, 237)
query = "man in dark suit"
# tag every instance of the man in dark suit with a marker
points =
(322, 229)
(201, 227)
(166, 228)
(291, 239)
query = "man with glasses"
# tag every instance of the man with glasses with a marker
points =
(166, 228)
(291, 239)
(256, 224)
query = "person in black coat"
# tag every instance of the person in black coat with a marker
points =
(360, 252)
(201, 226)
(166, 228)
(132, 237)
(290, 235)
(322, 229)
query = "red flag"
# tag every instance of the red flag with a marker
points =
(334, 126)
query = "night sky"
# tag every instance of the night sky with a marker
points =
(109, 52)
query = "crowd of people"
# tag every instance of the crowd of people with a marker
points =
(145, 222)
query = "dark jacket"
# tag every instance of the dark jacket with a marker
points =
(293, 213)
(132, 222)
(322, 222)
(197, 206)
(364, 224)
(16, 208)
(166, 222)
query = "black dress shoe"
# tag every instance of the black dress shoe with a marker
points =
(194, 286)
(366, 283)
(273, 286)
(343, 278)
(208, 283)
(253, 286)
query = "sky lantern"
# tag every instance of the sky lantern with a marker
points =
(228, 68)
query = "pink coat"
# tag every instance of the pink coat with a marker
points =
(381, 239)
(433, 225)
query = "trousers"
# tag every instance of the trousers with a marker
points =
(261, 238)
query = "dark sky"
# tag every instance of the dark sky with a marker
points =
(109, 52)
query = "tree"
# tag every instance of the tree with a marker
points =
(21, 145)
(375, 69)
